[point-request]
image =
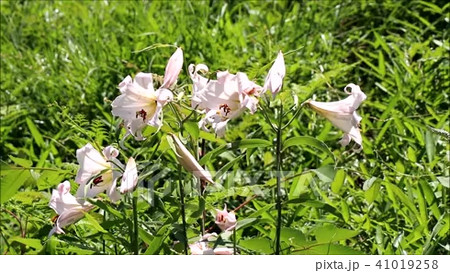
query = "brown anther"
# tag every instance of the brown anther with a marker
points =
(97, 180)
(54, 218)
(226, 108)
(141, 114)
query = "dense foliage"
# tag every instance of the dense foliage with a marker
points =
(61, 63)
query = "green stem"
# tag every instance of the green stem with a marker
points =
(135, 233)
(183, 212)
(202, 190)
(103, 239)
(234, 241)
(278, 174)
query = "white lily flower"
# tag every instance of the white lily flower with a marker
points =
(342, 114)
(225, 220)
(139, 104)
(96, 174)
(202, 247)
(130, 177)
(274, 79)
(188, 161)
(67, 207)
(222, 99)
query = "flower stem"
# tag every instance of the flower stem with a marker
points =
(234, 241)
(183, 212)
(135, 233)
(202, 190)
(278, 174)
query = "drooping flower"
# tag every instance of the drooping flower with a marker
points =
(222, 99)
(225, 220)
(342, 114)
(139, 104)
(202, 246)
(188, 161)
(274, 79)
(68, 208)
(130, 177)
(98, 172)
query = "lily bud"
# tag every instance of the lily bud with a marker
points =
(188, 161)
(274, 80)
(130, 177)
(173, 68)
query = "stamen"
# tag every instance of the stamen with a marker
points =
(226, 108)
(97, 180)
(141, 114)
(54, 218)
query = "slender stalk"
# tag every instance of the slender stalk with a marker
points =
(135, 233)
(234, 241)
(278, 173)
(183, 212)
(180, 183)
(202, 190)
(103, 239)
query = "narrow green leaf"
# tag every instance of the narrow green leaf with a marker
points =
(35, 133)
(157, 241)
(371, 188)
(329, 234)
(293, 236)
(245, 222)
(242, 144)
(93, 222)
(192, 129)
(430, 145)
(381, 66)
(260, 245)
(404, 199)
(11, 183)
(326, 173)
(338, 181)
(308, 141)
(328, 249)
(22, 162)
(34, 243)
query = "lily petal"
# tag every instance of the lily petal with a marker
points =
(274, 79)
(342, 114)
(130, 177)
(173, 69)
(188, 161)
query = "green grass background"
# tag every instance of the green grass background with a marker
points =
(61, 62)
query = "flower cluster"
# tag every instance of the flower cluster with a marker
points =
(219, 100)
(98, 173)
(231, 94)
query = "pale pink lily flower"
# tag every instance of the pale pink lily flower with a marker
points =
(130, 177)
(97, 172)
(139, 104)
(188, 161)
(342, 114)
(274, 79)
(202, 247)
(225, 220)
(67, 206)
(222, 99)
(173, 68)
